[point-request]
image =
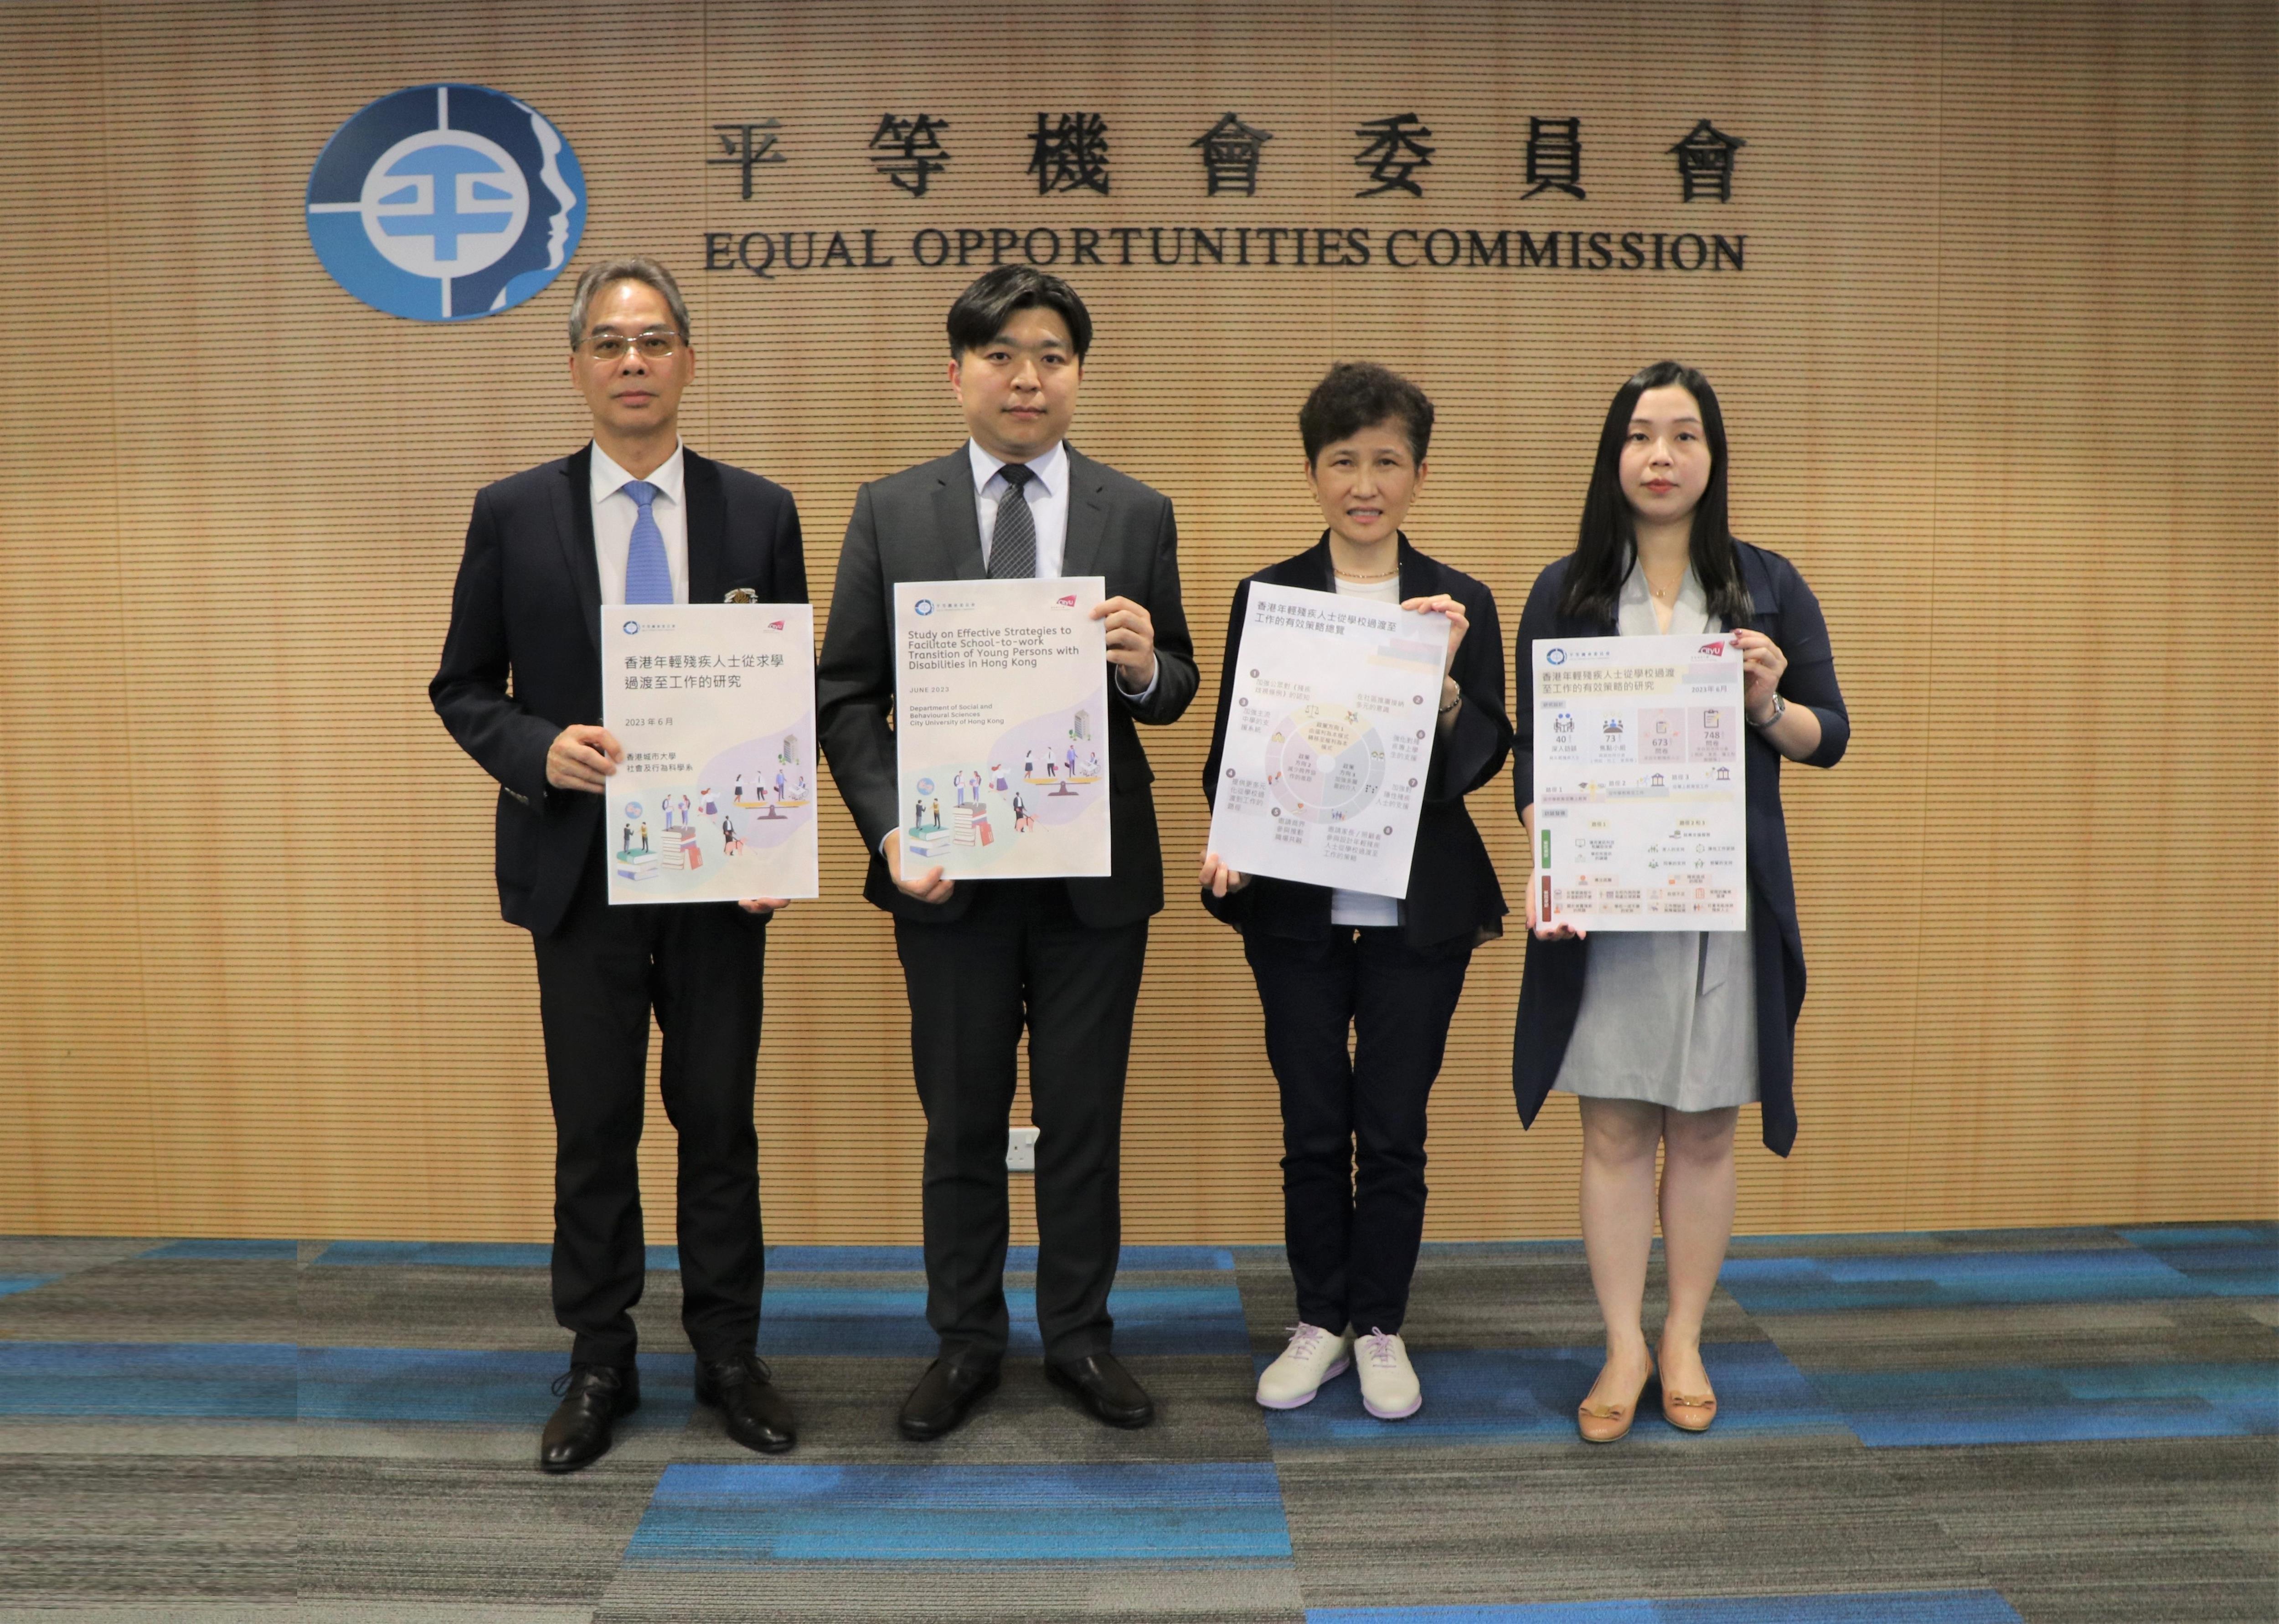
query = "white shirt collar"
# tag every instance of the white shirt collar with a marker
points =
(609, 478)
(1050, 469)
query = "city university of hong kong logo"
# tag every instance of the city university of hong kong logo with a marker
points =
(446, 203)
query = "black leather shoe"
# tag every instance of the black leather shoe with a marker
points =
(752, 1407)
(1106, 1387)
(593, 1397)
(943, 1395)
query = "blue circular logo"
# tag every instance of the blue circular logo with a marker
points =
(1557, 656)
(446, 203)
(632, 628)
(925, 605)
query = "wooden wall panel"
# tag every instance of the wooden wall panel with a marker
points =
(2008, 308)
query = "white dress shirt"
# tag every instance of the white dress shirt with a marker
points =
(615, 513)
(1047, 497)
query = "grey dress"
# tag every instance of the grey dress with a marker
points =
(1668, 1016)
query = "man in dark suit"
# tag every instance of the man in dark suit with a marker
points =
(983, 959)
(634, 517)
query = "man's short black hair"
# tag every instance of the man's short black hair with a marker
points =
(984, 308)
(1357, 394)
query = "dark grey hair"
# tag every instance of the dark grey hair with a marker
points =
(647, 271)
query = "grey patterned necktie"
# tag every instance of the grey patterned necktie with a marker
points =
(1013, 544)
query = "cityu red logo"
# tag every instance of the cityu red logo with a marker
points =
(775, 625)
(1716, 650)
(1069, 602)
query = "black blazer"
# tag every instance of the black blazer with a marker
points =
(919, 525)
(528, 610)
(1551, 995)
(1454, 901)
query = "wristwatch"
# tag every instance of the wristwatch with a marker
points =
(1780, 708)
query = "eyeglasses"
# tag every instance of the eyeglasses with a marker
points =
(654, 345)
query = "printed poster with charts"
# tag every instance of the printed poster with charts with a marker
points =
(714, 706)
(1329, 733)
(1641, 791)
(1001, 728)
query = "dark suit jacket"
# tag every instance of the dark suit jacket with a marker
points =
(1551, 995)
(1454, 901)
(919, 525)
(523, 658)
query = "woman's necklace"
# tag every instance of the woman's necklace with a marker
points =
(1368, 580)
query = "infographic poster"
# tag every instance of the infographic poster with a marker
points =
(714, 706)
(1641, 784)
(1329, 734)
(1001, 728)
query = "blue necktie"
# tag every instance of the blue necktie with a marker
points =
(648, 579)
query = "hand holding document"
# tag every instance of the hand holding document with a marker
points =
(1641, 792)
(1001, 728)
(714, 704)
(1328, 735)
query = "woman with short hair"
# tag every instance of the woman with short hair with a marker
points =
(1381, 973)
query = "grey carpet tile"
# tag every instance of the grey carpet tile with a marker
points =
(2262, 1310)
(2116, 1532)
(103, 1528)
(2189, 1330)
(846, 1409)
(1489, 1527)
(652, 1438)
(463, 1531)
(296, 1612)
(151, 1300)
(1528, 1300)
(493, 1309)
(106, 1437)
(64, 1254)
(954, 1593)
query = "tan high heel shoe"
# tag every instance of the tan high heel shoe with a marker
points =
(1703, 1410)
(1610, 1423)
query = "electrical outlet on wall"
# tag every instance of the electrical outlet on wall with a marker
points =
(1021, 1150)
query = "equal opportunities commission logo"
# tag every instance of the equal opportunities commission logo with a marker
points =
(445, 203)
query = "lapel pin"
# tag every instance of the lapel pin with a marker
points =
(740, 594)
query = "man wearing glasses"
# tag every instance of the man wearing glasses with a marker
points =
(632, 517)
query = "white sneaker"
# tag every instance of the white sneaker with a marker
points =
(1389, 1389)
(1314, 1356)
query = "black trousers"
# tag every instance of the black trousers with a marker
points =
(698, 966)
(1020, 957)
(1353, 1121)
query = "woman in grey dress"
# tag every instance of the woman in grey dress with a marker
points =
(1665, 1035)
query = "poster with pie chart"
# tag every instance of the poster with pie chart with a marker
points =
(1329, 734)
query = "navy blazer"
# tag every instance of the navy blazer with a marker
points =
(920, 525)
(1454, 901)
(1551, 995)
(523, 658)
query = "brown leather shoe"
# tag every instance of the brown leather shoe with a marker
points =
(1106, 1387)
(593, 1398)
(1610, 1423)
(752, 1407)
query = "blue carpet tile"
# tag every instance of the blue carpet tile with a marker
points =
(1886, 1607)
(746, 1515)
(2053, 1404)
(228, 1251)
(1490, 1396)
(204, 1381)
(2238, 1259)
(1951, 1279)
(449, 1384)
(9, 1285)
